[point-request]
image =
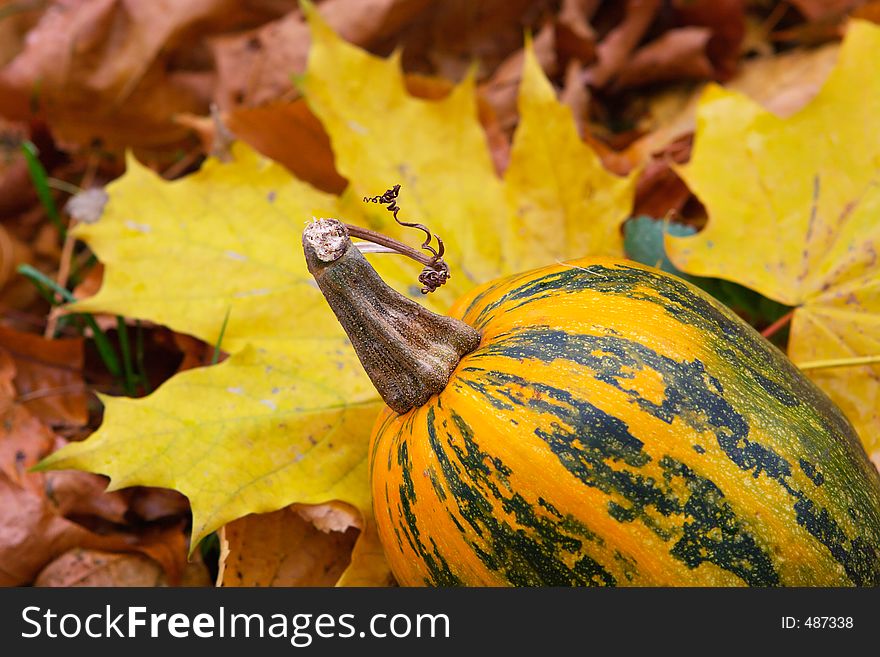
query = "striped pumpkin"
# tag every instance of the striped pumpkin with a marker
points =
(617, 426)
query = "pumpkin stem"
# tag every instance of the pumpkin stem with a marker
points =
(408, 352)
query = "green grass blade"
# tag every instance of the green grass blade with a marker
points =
(41, 184)
(105, 348)
(128, 380)
(102, 342)
(216, 356)
(37, 276)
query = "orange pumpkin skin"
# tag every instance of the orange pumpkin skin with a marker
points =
(617, 426)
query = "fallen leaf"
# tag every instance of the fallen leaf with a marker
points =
(558, 207)
(727, 21)
(434, 88)
(14, 252)
(157, 503)
(330, 517)
(869, 11)
(79, 567)
(48, 376)
(783, 84)
(502, 89)
(576, 95)
(659, 190)
(283, 548)
(574, 34)
(87, 567)
(16, 191)
(553, 187)
(820, 10)
(103, 68)
(77, 494)
(803, 193)
(678, 54)
(286, 418)
(32, 529)
(289, 133)
(19, 16)
(455, 37)
(41, 514)
(255, 68)
(614, 50)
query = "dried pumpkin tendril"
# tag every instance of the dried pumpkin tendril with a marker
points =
(436, 271)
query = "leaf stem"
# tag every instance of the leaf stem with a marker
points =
(830, 363)
(779, 324)
(63, 186)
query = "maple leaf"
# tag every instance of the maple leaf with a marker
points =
(286, 418)
(793, 213)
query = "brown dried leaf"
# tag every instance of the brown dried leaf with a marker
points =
(16, 191)
(282, 548)
(34, 529)
(678, 54)
(48, 377)
(75, 493)
(659, 189)
(157, 503)
(105, 68)
(575, 36)
(727, 20)
(13, 252)
(453, 36)
(331, 516)
(870, 11)
(18, 17)
(615, 48)
(81, 567)
(575, 94)
(290, 134)
(91, 283)
(783, 84)
(823, 10)
(31, 531)
(255, 67)
(501, 90)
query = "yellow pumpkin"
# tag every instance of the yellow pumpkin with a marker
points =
(604, 423)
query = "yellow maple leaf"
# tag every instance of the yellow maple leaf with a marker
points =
(556, 199)
(554, 208)
(286, 418)
(794, 213)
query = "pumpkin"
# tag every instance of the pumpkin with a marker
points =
(601, 423)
